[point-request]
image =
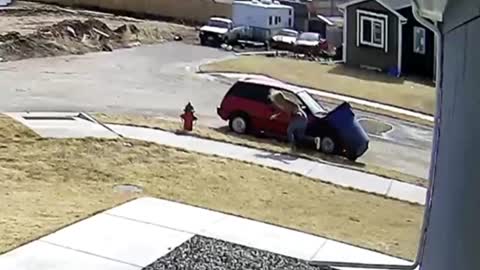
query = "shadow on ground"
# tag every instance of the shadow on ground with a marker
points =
(278, 157)
(375, 127)
(301, 152)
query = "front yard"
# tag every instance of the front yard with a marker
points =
(400, 92)
(225, 135)
(49, 183)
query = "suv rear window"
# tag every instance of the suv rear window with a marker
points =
(250, 91)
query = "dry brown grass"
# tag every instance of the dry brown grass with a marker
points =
(47, 183)
(224, 135)
(339, 79)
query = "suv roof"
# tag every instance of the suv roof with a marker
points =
(272, 83)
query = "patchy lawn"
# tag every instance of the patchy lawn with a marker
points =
(339, 79)
(224, 135)
(48, 183)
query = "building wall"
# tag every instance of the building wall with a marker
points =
(301, 14)
(452, 240)
(191, 10)
(258, 16)
(366, 55)
(334, 35)
(327, 7)
(414, 63)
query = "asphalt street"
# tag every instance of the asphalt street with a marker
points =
(159, 80)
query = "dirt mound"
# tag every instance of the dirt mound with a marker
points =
(91, 29)
(68, 37)
(14, 46)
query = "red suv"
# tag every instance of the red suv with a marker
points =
(247, 108)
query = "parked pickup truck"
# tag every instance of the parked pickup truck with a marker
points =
(219, 31)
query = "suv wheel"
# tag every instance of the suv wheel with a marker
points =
(327, 145)
(351, 157)
(238, 124)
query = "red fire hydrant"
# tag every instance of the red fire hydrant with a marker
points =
(188, 117)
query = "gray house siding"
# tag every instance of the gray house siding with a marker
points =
(459, 12)
(364, 55)
(416, 63)
(452, 237)
(300, 16)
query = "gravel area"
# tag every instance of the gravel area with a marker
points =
(206, 253)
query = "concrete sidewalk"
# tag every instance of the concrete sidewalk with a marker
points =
(327, 173)
(77, 125)
(133, 235)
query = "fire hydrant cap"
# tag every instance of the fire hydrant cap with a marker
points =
(189, 108)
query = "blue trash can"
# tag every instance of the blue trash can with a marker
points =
(353, 138)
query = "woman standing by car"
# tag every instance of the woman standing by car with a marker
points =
(298, 121)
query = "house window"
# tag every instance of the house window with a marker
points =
(372, 32)
(270, 20)
(377, 33)
(290, 22)
(372, 29)
(419, 40)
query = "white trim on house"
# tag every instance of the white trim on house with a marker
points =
(345, 5)
(435, 48)
(374, 25)
(400, 47)
(424, 31)
(373, 18)
(345, 32)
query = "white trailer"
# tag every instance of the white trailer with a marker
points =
(262, 18)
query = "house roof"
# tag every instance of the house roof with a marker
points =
(391, 5)
(398, 4)
(325, 19)
(262, 3)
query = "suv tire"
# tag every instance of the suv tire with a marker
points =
(328, 145)
(239, 123)
(351, 157)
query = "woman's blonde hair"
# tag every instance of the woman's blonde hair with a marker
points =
(282, 102)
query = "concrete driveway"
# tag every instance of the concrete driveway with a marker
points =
(159, 80)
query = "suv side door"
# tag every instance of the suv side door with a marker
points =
(253, 100)
(279, 125)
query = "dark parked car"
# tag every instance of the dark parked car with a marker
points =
(247, 108)
(311, 44)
